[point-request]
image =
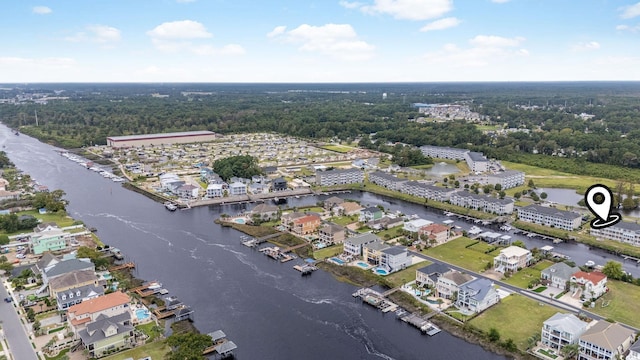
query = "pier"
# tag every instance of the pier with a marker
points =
(221, 345)
(375, 299)
(627, 257)
(422, 323)
(305, 269)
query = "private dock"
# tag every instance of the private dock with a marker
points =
(422, 323)
(375, 299)
(126, 266)
(149, 289)
(221, 345)
(305, 269)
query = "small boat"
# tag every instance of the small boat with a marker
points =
(154, 285)
(170, 206)
(589, 264)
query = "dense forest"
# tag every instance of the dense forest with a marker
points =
(608, 132)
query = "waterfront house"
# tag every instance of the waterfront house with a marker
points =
(60, 276)
(258, 188)
(166, 179)
(9, 195)
(604, 341)
(561, 330)
(415, 225)
(385, 180)
(286, 220)
(551, 217)
(188, 191)
(70, 297)
(624, 232)
(370, 213)
(634, 351)
(265, 212)
(428, 275)
(477, 295)
(305, 225)
(79, 315)
(385, 222)
(331, 234)
(558, 275)
(216, 190)
(434, 234)
(332, 202)
(512, 259)
(106, 334)
(237, 188)
(372, 252)
(449, 283)
(50, 239)
(348, 208)
(395, 258)
(353, 246)
(279, 184)
(593, 284)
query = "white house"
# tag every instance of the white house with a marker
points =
(415, 225)
(561, 330)
(449, 283)
(512, 259)
(237, 188)
(395, 258)
(594, 284)
(477, 295)
(604, 341)
(215, 190)
(634, 351)
(353, 245)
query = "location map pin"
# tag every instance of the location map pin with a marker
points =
(602, 209)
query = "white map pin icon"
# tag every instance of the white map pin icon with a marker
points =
(602, 210)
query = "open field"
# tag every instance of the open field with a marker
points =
(523, 277)
(156, 350)
(456, 253)
(621, 303)
(337, 148)
(488, 127)
(406, 275)
(328, 252)
(515, 317)
(390, 233)
(62, 219)
(344, 220)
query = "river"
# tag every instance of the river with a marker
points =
(265, 307)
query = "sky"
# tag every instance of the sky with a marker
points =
(318, 40)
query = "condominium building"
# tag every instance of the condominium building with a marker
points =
(507, 179)
(482, 202)
(388, 181)
(477, 162)
(426, 191)
(443, 152)
(551, 217)
(561, 330)
(625, 232)
(339, 177)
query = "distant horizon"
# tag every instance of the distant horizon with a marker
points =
(319, 83)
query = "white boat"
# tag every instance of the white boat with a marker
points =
(589, 264)
(154, 285)
(170, 206)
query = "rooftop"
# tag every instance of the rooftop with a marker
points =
(606, 335)
(395, 250)
(594, 276)
(566, 323)
(550, 211)
(362, 239)
(160, 136)
(67, 266)
(514, 251)
(457, 277)
(100, 303)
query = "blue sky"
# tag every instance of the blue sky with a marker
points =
(319, 41)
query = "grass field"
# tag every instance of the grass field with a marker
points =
(523, 277)
(488, 127)
(406, 275)
(622, 303)
(156, 350)
(337, 148)
(62, 219)
(344, 220)
(456, 253)
(515, 317)
(328, 252)
(390, 233)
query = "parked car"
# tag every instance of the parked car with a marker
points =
(8, 299)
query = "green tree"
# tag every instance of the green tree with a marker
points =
(531, 184)
(187, 346)
(613, 270)
(543, 195)
(570, 351)
(4, 239)
(502, 194)
(517, 195)
(519, 243)
(498, 187)
(494, 335)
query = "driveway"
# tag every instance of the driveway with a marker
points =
(19, 343)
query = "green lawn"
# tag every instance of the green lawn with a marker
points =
(61, 219)
(488, 127)
(328, 252)
(406, 275)
(390, 233)
(156, 350)
(148, 329)
(516, 317)
(344, 220)
(338, 148)
(523, 277)
(455, 252)
(315, 209)
(622, 303)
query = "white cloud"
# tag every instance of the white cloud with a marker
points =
(630, 11)
(633, 29)
(407, 9)
(350, 4)
(500, 1)
(441, 24)
(230, 49)
(184, 29)
(101, 34)
(586, 46)
(278, 30)
(336, 40)
(185, 1)
(41, 10)
(484, 50)
(49, 62)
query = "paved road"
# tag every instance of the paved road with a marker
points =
(19, 343)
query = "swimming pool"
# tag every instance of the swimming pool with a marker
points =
(337, 260)
(142, 314)
(321, 245)
(382, 272)
(239, 221)
(363, 265)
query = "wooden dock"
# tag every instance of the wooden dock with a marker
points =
(127, 266)
(305, 269)
(163, 313)
(422, 323)
(375, 299)
(221, 345)
(295, 247)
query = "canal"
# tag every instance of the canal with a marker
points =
(265, 307)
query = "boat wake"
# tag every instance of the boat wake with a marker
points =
(131, 224)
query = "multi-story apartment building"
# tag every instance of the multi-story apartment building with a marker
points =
(339, 177)
(482, 202)
(623, 231)
(443, 152)
(561, 330)
(388, 181)
(507, 179)
(477, 162)
(551, 217)
(426, 191)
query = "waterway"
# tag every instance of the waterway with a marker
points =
(265, 307)
(571, 198)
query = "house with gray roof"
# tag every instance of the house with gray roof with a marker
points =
(265, 212)
(634, 351)
(561, 330)
(548, 216)
(428, 275)
(107, 333)
(449, 283)
(72, 296)
(395, 258)
(558, 275)
(477, 295)
(483, 202)
(353, 245)
(331, 234)
(72, 280)
(604, 341)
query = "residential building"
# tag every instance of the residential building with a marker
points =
(415, 225)
(634, 351)
(237, 188)
(551, 217)
(427, 191)
(604, 341)
(258, 188)
(167, 179)
(331, 234)
(305, 225)
(558, 275)
(561, 330)
(477, 295)
(52, 239)
(348, 208)
(625, 232)
(482, 202)
(68, 274)
(279, 184)
(477, 162)
(443, 152)
(332, 202)
(435, 234)
(9, 195)
(188, 191)
(112, 304)
(339, 177)
(106, 334)
(385, 180)
(593, 284)
(372, 252)
(449, 283)
(286, 220)
(385, 222)
(265, 212)
(370, 213)
(353, 246)
(215, 190)
(395, 258)
(70, 297)
(512, 259)
(428, 275)
(507, 179)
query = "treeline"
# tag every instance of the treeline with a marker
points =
(244, 166)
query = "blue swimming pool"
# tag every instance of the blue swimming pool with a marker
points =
(142, 314)
(382, 272)
(239, 221)
(363, 265)
(337, 260)
(321, 245)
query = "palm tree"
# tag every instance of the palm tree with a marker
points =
(570, 351)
